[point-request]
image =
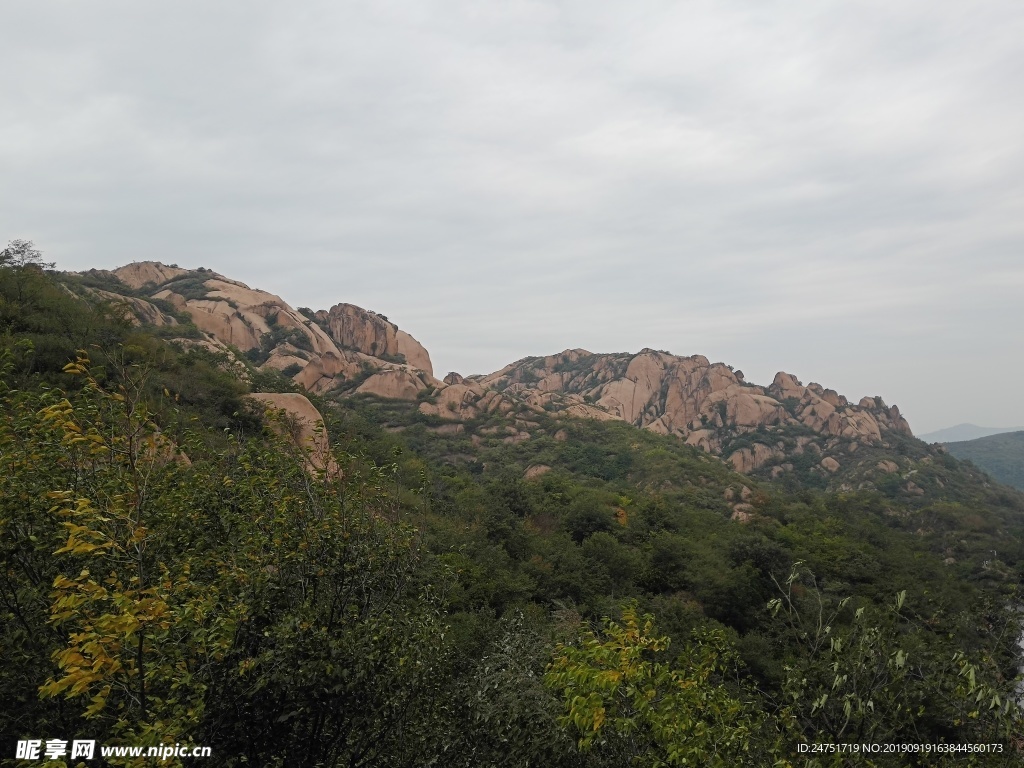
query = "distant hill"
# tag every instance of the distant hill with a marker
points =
(963, 432)
(1002, 456)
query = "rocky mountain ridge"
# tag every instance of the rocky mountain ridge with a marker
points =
(320, 350)
(708, 405)
(347, 350)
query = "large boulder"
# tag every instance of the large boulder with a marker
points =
(299, 421)
(395, 384)
(746, 460)
(139, 274)
(353, 327)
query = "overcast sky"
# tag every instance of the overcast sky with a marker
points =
(834, 189)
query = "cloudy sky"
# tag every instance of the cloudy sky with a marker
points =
(834, 189)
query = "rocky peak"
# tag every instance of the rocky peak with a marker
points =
(365, 331)
(320, 350)
(141, 273)
(708, 405)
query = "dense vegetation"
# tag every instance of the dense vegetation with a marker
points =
(457, 596)
(1002, 456)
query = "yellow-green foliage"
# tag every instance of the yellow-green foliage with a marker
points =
(621, 693)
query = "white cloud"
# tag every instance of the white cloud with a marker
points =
(829, 187)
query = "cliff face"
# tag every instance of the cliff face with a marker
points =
(354, 350)
(355, 328)
(708, 405)
(302, 424)
(321, 350)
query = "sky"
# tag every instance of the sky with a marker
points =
(833, 189)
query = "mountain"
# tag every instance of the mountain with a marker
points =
(708, 405)
(964, 432)
(773, 430)
(207, 495)
(1001, 455)
(199, 308)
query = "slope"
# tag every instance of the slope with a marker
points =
(1001, 455)
(964, 432)
(408, 604)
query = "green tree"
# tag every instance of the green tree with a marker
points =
(235, 600)
(30, 463)
(618, 695)
(877, 674)
(140, 632)
(25, 261)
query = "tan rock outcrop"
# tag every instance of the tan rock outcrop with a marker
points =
(223, 321)
(356, 328)
(459, 402)
(704, 403)
(786, 385)
(353, 327)
(327, 371)
(395, 384)
(815, 413)
(141, 273)
(301, 422)
(284, 357)
(220, 287)
(413, 352)
(833, 398)
(748, 459)
(829, 464)
(705, 439)
(742, 407)
(161, 450)
(708, 405)
(231, 314)
(892, 419)
(140, 311)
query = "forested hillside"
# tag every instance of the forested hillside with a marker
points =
(1002, 456)
(177, 567)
